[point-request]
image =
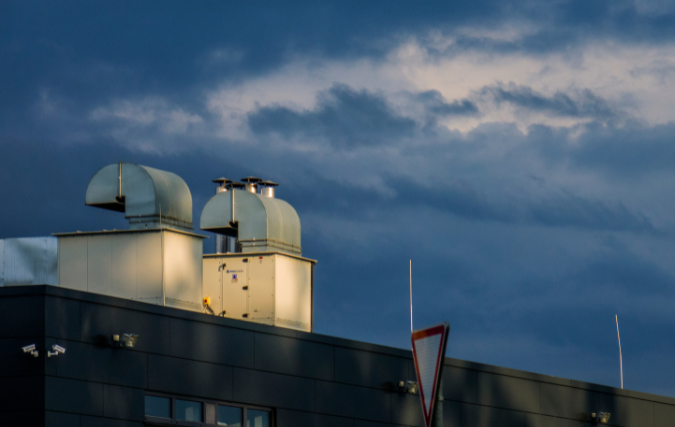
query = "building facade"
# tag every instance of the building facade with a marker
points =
(190, 368)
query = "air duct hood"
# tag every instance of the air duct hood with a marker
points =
(260, 223)
(150, 198)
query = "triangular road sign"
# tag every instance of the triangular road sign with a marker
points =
(428, 352)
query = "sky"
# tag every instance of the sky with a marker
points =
(520, 153)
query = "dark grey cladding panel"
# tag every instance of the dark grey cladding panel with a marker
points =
(567, 402)
(62, 318)
(87, 421)
(275, 390)
(118, 366)
(351, 401)
(22, 317)
(287, 418)
(100, 322)
(626, 411)
(186, 377)
(22, 394)
(14, 362)
(508, 392)
(59, 419)
(76, 397)
(362, 423)
(294, 357)
(23, 418)
(452, 414)
(484, 416)
(459, 384)
(369, 369)
(406, 409)
(537, 420)
(211, 343)
(76, 364)
(123, 403)
(664, 415)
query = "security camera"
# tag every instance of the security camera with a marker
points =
(30, 349)
(57, 350)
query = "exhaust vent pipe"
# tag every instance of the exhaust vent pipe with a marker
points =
(251, 183)
(268, 188)
(223, 184)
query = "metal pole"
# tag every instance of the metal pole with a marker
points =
(438, 410)
(616, 316)
(411, 316)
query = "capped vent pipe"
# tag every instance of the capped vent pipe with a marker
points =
(267, 188)
(224, 184)
(251, 183)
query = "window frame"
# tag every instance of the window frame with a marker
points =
(157, 421)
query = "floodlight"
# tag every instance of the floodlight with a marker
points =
(30, 349)
(129, 340)
(412, 387)
(600, 417)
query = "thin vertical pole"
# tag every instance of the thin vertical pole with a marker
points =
(616, 316)
(411, 317)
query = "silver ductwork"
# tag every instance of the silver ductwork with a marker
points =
(259, 223)
(150, 198)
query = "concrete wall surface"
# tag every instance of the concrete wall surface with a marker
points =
(307, 379)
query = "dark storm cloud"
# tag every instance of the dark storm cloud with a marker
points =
(436, 105)
(558, 209)
(85, 54)
(346, 117)
(584, 104)
(620, 151)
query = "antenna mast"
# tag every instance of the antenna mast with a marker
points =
(616, 316)
(411, 317)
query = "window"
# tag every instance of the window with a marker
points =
(169, 410)
(156, 406)
(187, 410)
(256, 418)
(230, 416)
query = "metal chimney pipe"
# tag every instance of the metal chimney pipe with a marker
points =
(220, 242)
(251, 183)
(268, 188)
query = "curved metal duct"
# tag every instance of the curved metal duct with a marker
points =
(260, 223)
(150, 198)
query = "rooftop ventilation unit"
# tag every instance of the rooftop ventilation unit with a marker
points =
(263, 277)
(157, 261)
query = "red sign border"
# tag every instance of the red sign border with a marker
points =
(444, 329)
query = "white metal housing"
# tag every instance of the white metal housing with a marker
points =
(28, 261)
(272, 288)
(157, 266)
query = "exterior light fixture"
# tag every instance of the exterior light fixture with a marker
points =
(600, 417)
(126, 340)
(407, 387)
(57, 350)
(30, 349)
